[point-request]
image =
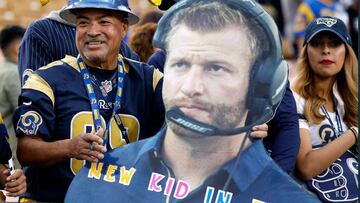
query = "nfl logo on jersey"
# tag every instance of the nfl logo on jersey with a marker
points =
(106, 86)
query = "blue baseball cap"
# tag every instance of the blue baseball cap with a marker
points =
(330, 24)
(68, 15)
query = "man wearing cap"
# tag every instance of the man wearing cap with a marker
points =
(75, 109)
(50, 39)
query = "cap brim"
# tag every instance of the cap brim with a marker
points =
(68, 15)
(322, 30)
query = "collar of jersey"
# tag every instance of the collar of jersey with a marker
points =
(128, 63)
(252, 162)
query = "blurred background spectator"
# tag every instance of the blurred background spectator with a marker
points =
(276, 9)
(289, 12)
(140, 36)
(10, 38)
(140, 40)
(352, 10)
(150, 16)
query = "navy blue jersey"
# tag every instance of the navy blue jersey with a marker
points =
(49, 40)
(283, 140)
(138, 173)
(5, 151)
(54, 104)
(157, 59)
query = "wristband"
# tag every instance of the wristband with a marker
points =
(355, 131)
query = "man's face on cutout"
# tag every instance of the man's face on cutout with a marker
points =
(207, 77)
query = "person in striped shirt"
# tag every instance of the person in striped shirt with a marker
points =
(50, 39)
(75, 109)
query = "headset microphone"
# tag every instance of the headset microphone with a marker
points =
(177, 116)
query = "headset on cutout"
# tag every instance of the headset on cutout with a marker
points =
(268, 76)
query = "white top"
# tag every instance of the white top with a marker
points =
(322, 133)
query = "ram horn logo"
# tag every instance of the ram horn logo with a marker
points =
(26, 74)
(29, 123)
(326, 21)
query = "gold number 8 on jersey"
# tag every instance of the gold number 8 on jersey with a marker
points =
(83, 122)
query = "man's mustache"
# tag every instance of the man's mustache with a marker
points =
(191, 103)
(94, 39)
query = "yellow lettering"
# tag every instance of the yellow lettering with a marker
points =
(126, 175)
(257, 201)
(109, 173)
(95, 170)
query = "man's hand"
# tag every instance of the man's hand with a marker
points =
(259, 131)
(15, 184)
(88, 146)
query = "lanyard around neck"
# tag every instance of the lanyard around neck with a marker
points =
(92, 97)
(339, 130)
